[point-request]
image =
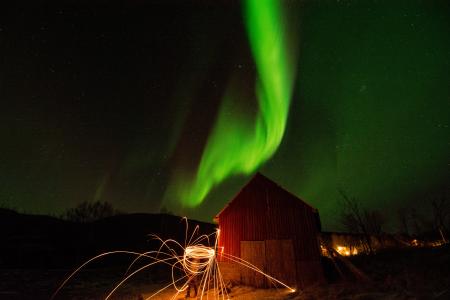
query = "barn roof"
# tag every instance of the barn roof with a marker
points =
(258, 177)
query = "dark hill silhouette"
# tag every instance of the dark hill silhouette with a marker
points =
(30, 241)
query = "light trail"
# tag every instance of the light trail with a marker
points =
(197, 264)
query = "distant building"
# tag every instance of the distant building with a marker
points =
(274, 230)
(348, 244)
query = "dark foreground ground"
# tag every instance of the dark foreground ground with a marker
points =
(38, 252)
(406, 274)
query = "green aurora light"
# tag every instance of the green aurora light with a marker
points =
(369, 111)
(236, 144)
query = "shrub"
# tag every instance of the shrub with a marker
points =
(89, 211)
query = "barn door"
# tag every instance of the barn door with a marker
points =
(253, 252)
(280, 261)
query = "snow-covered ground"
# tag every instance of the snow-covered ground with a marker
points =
(405, 274)
(331, 291)
(237, 292)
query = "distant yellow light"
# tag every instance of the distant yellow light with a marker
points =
(345, 251)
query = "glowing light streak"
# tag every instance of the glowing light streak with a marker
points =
(197, 261)
(256, 269)
(96, 258)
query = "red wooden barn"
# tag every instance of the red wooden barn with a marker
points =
(274, 230)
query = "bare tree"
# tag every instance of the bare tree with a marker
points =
(374, 221)
(90, 211)
(441, 212)
(358, 220)
(404, 220)
(350, 222)
(417, 221)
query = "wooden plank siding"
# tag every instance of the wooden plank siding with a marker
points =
(280, 259)
(262, 211)
(255, 253)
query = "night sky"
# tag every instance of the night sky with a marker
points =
(118, 103)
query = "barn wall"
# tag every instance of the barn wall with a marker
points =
(263, 211)
(230, 271)
(266, 212)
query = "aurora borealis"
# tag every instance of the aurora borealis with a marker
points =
(133, 104)
(238, 145)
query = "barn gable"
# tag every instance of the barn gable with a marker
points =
(259, 181)
(265, 215)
